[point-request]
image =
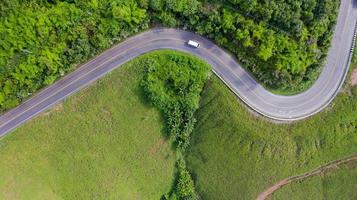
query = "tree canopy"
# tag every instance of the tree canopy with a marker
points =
(282, 42)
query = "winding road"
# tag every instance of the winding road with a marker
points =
(284, 108)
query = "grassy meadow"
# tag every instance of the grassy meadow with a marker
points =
(236, 155)
(104, 142)
(339, 184)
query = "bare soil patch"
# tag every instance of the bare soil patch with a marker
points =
(322, 169)
(354, 77)
(56, 108)
(157, 146)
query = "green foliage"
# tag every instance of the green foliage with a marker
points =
(128, 12)
(174, 79)
(185, 188)
(173, 83)
(184, 185)
(282, 43)
(167, 19)
(157, 5)
(41, 41)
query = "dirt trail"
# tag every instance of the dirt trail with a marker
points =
(334, 164)
(157, 146)
(354, 77)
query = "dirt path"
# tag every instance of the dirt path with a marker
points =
(334, 164)
(354, 77)
(157, 146)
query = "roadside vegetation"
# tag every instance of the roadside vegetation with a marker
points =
(108, 141)
(90, 147)
(104, 142)
(354, 57)
(339, 184)
(281, 43)
(42, 40)
(173, 82)
(235, 154)
(336, 183)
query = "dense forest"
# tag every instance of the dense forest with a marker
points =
(282, 42)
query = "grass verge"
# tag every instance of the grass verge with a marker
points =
(339, 184)
(235, 155)
(105, 142)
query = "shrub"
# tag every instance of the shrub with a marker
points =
(185, 188)
(173, 83)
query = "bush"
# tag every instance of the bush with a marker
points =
(184, 185)
(185, 188)
(173, 83)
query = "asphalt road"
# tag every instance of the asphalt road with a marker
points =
(285, 108)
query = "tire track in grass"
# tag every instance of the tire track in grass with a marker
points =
(329, 166)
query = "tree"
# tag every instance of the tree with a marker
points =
(266, 48)
(167, 19)
(227, 21)
(185, 187)
(128, 12)
(191, 8)
(156, 5)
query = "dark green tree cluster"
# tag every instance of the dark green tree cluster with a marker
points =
(283, 42)
(184, 186)
(42, 40)
(173, 83)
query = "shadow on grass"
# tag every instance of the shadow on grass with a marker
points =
(143, 98)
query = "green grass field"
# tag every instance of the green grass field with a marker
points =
(105, 142)
(340, 184)
(236, 155)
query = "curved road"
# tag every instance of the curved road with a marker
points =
(286, 108)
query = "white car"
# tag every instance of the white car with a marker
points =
(193, 44)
